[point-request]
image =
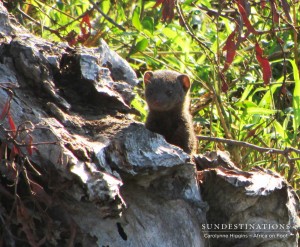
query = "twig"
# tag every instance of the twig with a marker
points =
(76, 19)
(164, 53)
(260, 32)
(215, 12)
(190, 32)
(49, 6)
(107, 17)
(284, 152)
(37, 23)
(35, 143)
(213, 60)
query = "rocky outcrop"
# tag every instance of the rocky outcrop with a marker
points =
(77, 170)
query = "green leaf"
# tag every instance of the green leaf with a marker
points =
(148, 24)
(170, 33)
(139, 104)
(188, 2)
(136, 19)
(260, 111)
(105, 5)
(246, 104)
(60, 4)
(279, 129)
(121, 14)
(267, 99)
(296, 98)
(246, 92)
(248, 126)
(140, 46)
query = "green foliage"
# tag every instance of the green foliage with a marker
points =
(245, 106)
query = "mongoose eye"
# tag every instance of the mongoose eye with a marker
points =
(169, 92)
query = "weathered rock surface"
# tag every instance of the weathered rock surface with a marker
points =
(77, 170)
(258, 207)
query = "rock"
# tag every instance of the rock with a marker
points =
(85, 173)
(256, 208)
(77, 170)
(119, 67)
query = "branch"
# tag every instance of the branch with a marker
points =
(190, 32)
(37, 23)
(284, 152)
(106, 16)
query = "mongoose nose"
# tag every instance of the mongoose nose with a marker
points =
(156, 102)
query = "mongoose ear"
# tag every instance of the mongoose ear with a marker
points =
(147, 77)
(185, 81)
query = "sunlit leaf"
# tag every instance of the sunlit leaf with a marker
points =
(138, 103)
(260, 111)
(140, 46)
(280, 130)
(246, 104)
(230, 47)
(264, 63)
(245, 17)
(275, 14)
(136, 19)
(148, 24)
(296, 97)
(168, 7)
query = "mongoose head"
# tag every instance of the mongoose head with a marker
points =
(165, 90)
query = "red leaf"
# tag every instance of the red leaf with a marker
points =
(245, 17)
(29, 146)
(275, 14)
(11, 123)
(13, 128)
(168, 7)
(82, 38)
(158, 2)
(86, 20)
(85, 34)
(283, 89)
(280, 41)
(39, 192)
(245, 37)
(71, 38)
(286, 9)
(72, 42)
(245, 4)
(251, 133)
(230, 46)
(263, 3)
(264, 63)
(224, 87)
(14, 151)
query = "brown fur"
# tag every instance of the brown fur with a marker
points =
(167, 97)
